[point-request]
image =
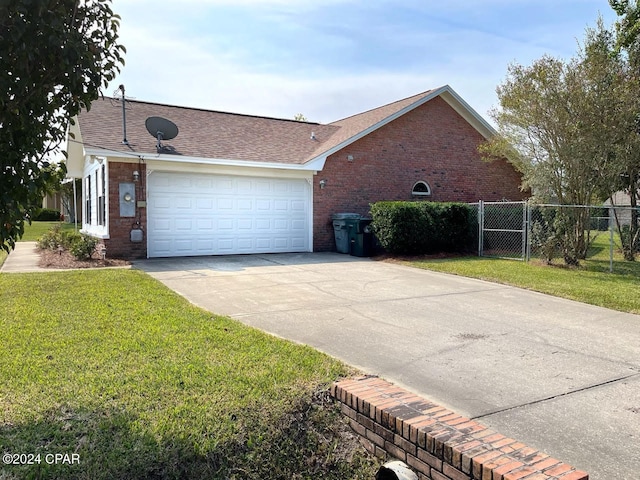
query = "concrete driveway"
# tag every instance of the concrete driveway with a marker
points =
(561, 376)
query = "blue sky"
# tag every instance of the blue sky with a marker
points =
(329, 59)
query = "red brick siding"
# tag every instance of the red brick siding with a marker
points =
(437, 443)
(431, 143)
(119, 243)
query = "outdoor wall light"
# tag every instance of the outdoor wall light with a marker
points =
(323, 184)
(136, 176)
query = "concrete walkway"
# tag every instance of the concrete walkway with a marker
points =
(24, 258)
(561, 376)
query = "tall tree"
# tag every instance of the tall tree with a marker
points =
(55, 57)
(628, 24)
(628, 41)
(564, 124)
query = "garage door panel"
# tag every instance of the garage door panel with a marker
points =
(192, 214)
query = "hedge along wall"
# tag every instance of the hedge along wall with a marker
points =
(424, 227)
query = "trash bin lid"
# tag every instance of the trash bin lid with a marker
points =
(344, 216)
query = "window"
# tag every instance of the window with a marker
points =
(87, 200)
(101, 186)
(421, 189)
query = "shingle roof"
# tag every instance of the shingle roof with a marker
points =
(202, 133)
(229, 136)
(352, 126)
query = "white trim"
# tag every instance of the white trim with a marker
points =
(456, 102)
(421, 194)
(309, 166)
(91, 166)
(448, 95)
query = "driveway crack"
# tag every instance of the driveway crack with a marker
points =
(553, 397)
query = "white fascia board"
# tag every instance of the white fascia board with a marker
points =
(448, 95)
(456, 102)
(323, 157)
(309, 166)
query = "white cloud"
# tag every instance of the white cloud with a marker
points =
(325, 71)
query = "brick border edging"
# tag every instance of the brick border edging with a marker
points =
(438, 443)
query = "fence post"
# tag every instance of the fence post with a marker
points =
(480, 227)
(610, 242)
(528, 231)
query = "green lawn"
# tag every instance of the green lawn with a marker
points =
(114, 367)
(36, 229)
(590, 283)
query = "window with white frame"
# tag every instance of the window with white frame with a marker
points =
(101, 187)
(421, 189)
(87, 200)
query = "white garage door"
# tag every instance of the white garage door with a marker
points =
(196, 214)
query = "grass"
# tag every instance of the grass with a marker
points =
(34, 231)
(116, 368)
(590, 283)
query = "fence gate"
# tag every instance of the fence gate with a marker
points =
(502, 229)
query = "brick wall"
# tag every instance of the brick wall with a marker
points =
(437, 443)
(119, 244)
(431, 143)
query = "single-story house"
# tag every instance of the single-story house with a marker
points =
(233, 184)
(619, 205)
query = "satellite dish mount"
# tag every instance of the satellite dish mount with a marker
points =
(161, 129)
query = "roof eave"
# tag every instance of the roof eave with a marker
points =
(448, 95)
(308, 166)
(472, 117)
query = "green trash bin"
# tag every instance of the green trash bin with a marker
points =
(360, 237)
(341, 228)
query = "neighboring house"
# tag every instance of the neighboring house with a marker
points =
(52, 201)
(620, 206)
(230, 183)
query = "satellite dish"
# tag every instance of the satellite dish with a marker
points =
(162, 129)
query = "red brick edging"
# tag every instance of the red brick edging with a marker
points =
(438, 443)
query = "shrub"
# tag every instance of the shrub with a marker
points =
(423, 227)
(47, 215)
(51, 239)
(83, 246)
(68, 238)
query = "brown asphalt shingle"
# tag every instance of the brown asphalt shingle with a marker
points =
(227, 136)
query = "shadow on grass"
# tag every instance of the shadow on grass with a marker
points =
(619, 267)
(107, 444)
(310, 441)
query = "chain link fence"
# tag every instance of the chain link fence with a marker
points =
(550, 232)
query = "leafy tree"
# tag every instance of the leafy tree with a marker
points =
(55, 57)
(299, 117)
(628, 25)
(565, 125)
(628, 41)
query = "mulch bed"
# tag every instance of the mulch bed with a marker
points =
(54, 259)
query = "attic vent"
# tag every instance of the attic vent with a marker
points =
(421, 189)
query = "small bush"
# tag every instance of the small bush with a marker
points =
(423, 227)
(69, 238)
(47, 215)
(83, 247)
(51, 239)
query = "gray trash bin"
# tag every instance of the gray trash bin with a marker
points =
(341, 223)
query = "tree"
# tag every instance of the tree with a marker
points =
(628, 41)
(55, 57)
(628, 25)
(299, 117)
(564, 124)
